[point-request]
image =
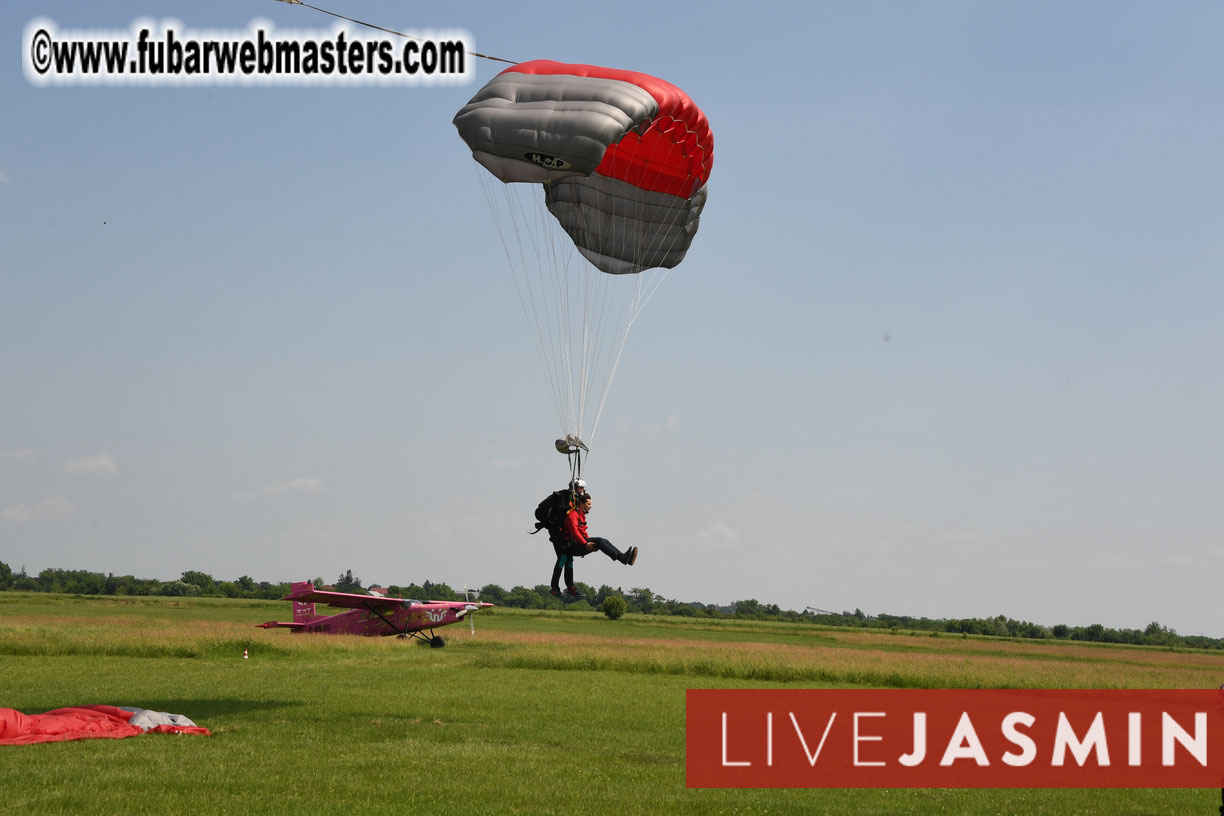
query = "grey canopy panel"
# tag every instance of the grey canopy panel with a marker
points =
(623, 229)
(538, 127)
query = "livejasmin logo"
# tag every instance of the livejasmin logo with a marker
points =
(965, 744)
(954, 738)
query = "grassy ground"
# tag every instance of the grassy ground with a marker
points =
(536, 714)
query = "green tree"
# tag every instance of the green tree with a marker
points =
(439, 592)
(641, 599)
(614, 606)
(604, 591)
(1158, 634)
(524, 598)
(747, 609)
(22, 581)
(179, 588)
(492, 593)
(678, 608)
(1095, 632)
(345, 582)
(83, 582)
(203, 580)
(414, 592)
(6, 575)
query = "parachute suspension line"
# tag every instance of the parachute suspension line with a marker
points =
(639, 304)
(388, 30)
(560, 263)
(528, 299)
(553, 285)
(581, 313)
(647, 283)
(606, 321)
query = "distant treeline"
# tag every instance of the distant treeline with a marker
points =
(637, 599)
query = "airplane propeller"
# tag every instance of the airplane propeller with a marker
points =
(471, 596)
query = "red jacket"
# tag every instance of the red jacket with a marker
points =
(575, 526)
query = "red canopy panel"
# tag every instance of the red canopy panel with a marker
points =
(674, 153)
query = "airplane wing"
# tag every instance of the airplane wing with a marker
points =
(279, 624)
(347, 600)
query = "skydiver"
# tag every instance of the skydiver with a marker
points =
(560, 504)
(576, 542)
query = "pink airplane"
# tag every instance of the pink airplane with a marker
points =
(372, 614)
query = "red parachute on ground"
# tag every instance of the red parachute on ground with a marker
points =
(89, 722)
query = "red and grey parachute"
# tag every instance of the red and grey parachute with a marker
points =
(623, 159)
(623, 156)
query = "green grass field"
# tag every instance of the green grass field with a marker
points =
(538, 713)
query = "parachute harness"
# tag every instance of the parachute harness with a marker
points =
(572, 447)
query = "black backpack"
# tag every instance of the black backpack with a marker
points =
(550, 513)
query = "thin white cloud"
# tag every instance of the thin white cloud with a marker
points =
(968, 538)
(718, 534)
(103, 464)
(303, 484)
(17, 455)
(55, 507)
(1116, 563)
(668, 424)
(762, 500)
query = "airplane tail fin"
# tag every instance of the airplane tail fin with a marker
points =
(303, 611)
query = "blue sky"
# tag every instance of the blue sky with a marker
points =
(947, 343)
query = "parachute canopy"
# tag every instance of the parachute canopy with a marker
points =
(611, 163)
(624, 156)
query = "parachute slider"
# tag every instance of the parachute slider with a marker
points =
(570, 445)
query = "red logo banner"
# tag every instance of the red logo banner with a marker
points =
(954, 738)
